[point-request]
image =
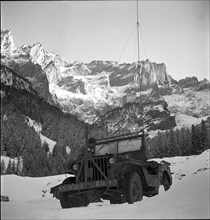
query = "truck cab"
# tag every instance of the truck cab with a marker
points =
(114, 169)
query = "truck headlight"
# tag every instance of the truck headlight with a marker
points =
(112, 160)
(74, 167)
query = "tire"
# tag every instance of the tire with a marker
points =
(115, 201)
(67, 202)
(132, 188)
(165, 182)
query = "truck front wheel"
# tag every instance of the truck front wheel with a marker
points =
(132, 188)
(115, 201)
(67, 202)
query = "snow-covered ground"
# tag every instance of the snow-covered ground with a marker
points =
(189, 196)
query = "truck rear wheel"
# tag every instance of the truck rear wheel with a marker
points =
(165, 182)
(132, 188)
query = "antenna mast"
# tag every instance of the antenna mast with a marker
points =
(138, 32)
(139, 65)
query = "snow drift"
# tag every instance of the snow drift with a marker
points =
(187, 198)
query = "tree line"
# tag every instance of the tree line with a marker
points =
(180, 142)
(38, 161)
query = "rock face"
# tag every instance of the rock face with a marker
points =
(92, 90)
(151, 115)
(189, 82)
(86, 90)
(10, 78)
(153, 73)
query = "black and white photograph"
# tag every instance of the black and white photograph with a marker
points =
(105, 109)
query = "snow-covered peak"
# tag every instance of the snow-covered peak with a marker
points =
(37, 54)
(76, 63)
(23, 50)
(7, 43)
(24, 46)
(81, 68)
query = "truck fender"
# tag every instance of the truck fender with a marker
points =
(55, 190)
(166, 181)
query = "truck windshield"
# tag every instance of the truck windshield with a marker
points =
(118, 147)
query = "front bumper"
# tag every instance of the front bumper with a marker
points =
(84, 186)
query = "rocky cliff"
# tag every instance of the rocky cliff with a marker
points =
(92, 91)
(86, 90)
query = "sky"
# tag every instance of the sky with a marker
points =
(172, 32)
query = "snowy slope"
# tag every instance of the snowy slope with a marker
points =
(187, 121)
(38, 129)
(187, 198)
(6, 160)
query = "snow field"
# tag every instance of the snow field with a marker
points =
(188, 197)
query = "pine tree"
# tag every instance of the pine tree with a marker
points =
(3, 168)
(158, 145)
(26, 163)
(13, 168)
(203, 136)
(57, 160)
(193, 140)
(173, 147)
(166, 144)
(43, 163)
(50, 164)
(149, 148)
(186, 141)
(196, 140)
(208, 133)
(19, 167)
(161, 142)
(9, 167)
(152, 145)
(46, 146)
(178, 141)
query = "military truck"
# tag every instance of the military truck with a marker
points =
(114, 169)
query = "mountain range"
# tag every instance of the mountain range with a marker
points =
(106, 93)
